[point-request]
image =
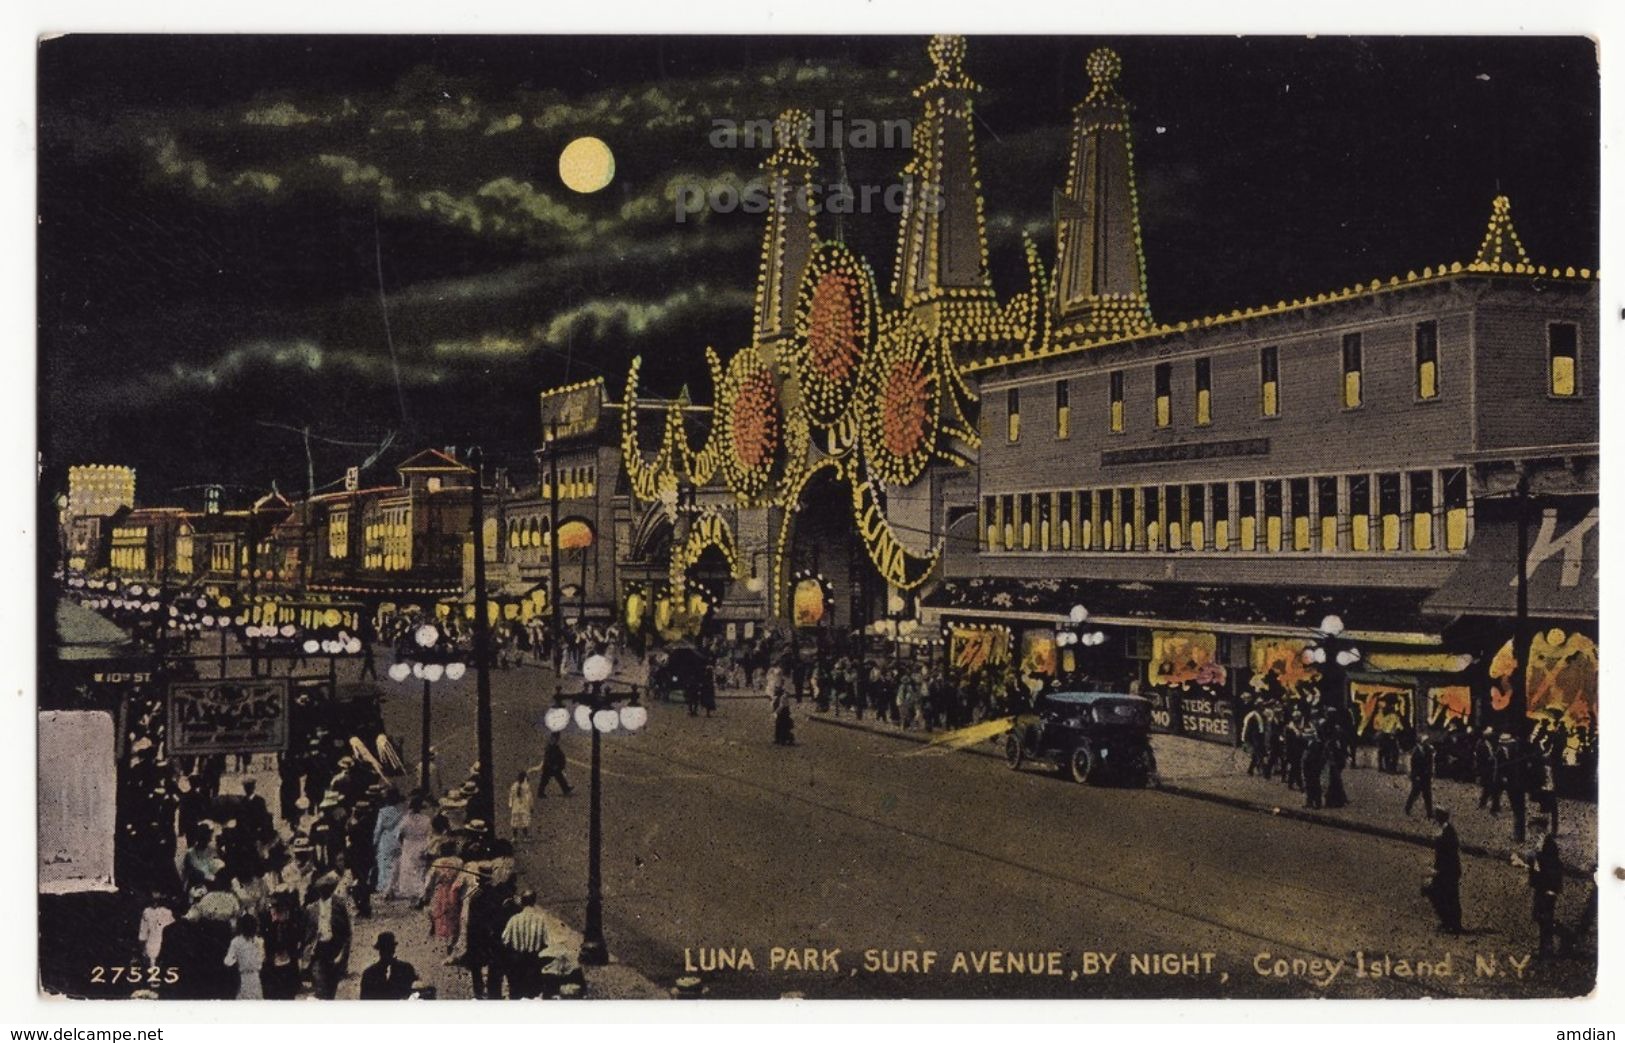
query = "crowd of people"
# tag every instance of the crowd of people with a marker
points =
(247, 906)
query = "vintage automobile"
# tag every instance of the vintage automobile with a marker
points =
(1091, 736)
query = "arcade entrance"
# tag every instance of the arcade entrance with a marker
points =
(824, 542)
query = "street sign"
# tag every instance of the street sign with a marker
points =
(230, 716)
(352, 479)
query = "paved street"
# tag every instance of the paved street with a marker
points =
(716, 839)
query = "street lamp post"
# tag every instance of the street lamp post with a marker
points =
(1075, 631)
(595, 712)
(1334, 653)
(430, 662)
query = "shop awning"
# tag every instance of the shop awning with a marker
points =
(1561, 562)
(1231, 607)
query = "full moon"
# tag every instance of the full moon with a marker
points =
(586, 165)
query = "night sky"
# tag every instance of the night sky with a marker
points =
(218, 213)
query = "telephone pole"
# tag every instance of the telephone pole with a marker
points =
(485, 807)
(553, 549)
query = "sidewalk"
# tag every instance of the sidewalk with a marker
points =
(427, 957)
(614, 982)
(1218, 773)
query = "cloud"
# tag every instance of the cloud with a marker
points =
(485, 346)
(280, 114)
(504, 124)
(601, 318)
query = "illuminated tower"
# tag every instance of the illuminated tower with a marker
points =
(941, 268)
(1099, 287)
(788, 241)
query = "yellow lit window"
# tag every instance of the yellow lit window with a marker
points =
(1352, 366)
(1328, 532)
(1066, 534)
(1562, 341)
(1063, 422)
(1360, 532)
(1221, 533)
(1269, 379)
(1390, 532)
(1455, 529)
(1300, 533)
(1271, 403)
(1116, 411)
(1117, 416)
(1175, 536)
(1198, 537)
(1422, 532)
(1165, 407)
(1204, 407)
(1164, 391)
(1153, 533)
(1272, 532)
(1427, 380)
(1249, 532)
(1013, 415)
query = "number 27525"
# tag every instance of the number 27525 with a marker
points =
(134, 974)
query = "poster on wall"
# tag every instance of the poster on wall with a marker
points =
(78, 786)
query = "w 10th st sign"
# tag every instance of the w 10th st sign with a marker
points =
(228, 717)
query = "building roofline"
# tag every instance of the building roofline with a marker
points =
(1429, 276)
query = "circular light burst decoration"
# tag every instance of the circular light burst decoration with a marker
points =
(901, 399)
(753, 425)
(834, 328)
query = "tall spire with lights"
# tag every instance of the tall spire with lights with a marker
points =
(1501, 248)
(1100, 263)
(942, 245)
(787, 243)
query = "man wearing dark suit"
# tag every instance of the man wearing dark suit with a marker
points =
(1421, 771)
(327, 937)
(1444, 890)
(389, 978)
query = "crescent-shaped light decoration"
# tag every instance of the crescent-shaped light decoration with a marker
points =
(900, 405)
(642, 475)
(835, 330)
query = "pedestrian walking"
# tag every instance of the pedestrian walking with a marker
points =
(524, 937)
(386, 843)
(553, 761)
(328, 937)
(247, 954)
(1421, 773)
(1489, 792)
(1545, 864)
(1295, 741)
(1253, 737)
(784, 727)
(369, 661)
(388, 978)
(1443, 888)
(1337, 750)
(1312, 763)
(520, 801)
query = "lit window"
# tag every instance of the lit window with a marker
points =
(1247, 504)
(1117, 401)
(1198, 527)
(1427, 360)
(1221, 516)
(1151, 508)
(1272, 516)
(1421, 510)
(1360, 513)
(1455, 509)
(1165, 399)
(1007, 514)
(1044, 511)
(1269, 382)
(1026, 521)
(1388, 508)
(1126, 518)
(1351, 370)
(1086, 521)
(1562, 341)
(1326, 494)
(1173, 500)
(1013, 415)
(1065, 511)
(1063, 410)
(1300, 514)
(1204, 392)
(990, 522)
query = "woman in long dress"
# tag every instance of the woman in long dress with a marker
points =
(247, 954)
(386, 844)
(443, 893)
(413, 858)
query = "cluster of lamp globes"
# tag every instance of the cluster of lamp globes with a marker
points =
(595, 670)
(1078, 616)
(1331, 626)
(426, 636)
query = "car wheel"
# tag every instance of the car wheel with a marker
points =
(1081, 764)
(1013, 755)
